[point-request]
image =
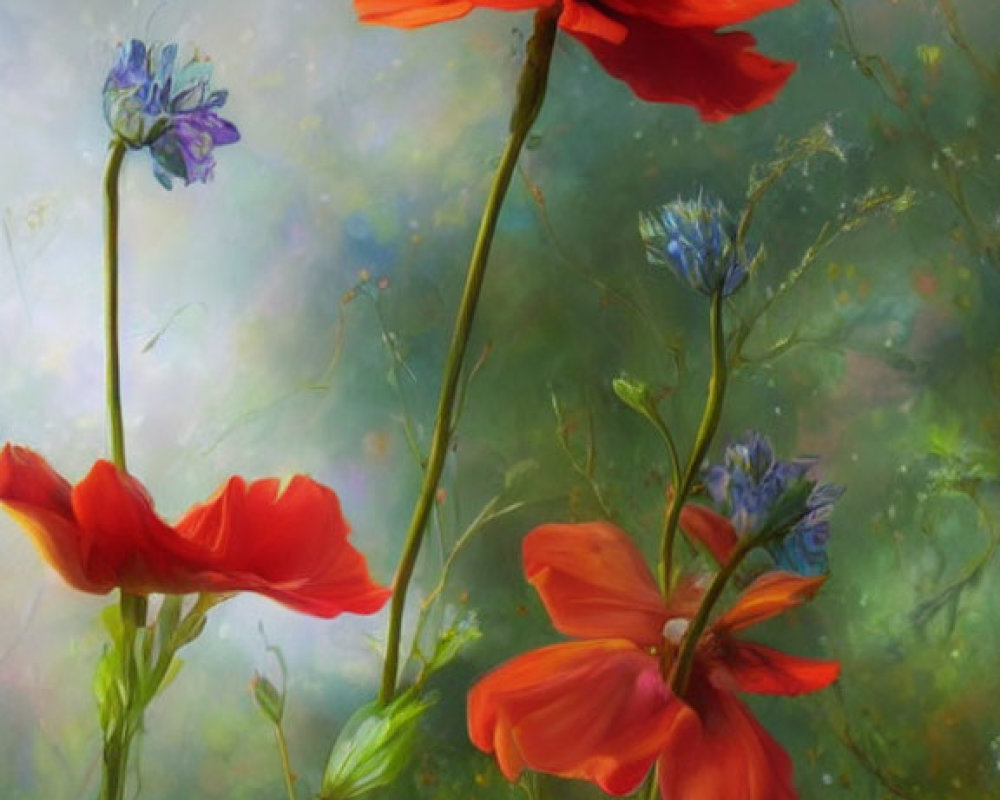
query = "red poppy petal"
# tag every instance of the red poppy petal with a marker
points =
(748, 667)
(38, 498)
(128, 541)
(416, 13)
(767, 597)
(582, 17)
(290, 545)
(598, 711)
(696, 13)
(722, 753)
(594, 582)
(717, 73)
(712, 530)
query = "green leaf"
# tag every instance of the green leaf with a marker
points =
(107, 687)
(374, 747)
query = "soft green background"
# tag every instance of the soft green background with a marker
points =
(371, 149)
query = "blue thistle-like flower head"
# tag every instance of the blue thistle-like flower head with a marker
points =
(751, 484)
(696, 239)
(150, 102)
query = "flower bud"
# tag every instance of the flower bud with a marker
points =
(696, 239)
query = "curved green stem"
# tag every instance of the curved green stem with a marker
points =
(682, 672)
(114, 396)
(118, 739)
(286, 763)
(702, 440)
(530, 95)
(664, 431)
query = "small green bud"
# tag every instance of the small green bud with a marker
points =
(634, 394)
(269, 699)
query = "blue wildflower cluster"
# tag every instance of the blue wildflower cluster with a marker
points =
(150, 102)
(696, 239)
(749, 486)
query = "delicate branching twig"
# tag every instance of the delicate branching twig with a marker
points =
(588, 467)
(880, 72)
(790, 154)
(607, 291)
(950, 15)
(846, 737)
(486, 515)
(862, 209)
(948, 597)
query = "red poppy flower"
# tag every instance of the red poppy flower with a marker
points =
(287, 543)
(667, 51)
(601, 709)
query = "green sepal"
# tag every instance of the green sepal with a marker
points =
(374, 747)
(635, 394)
(269, 699)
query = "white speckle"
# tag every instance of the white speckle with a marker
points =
(827, 779)
(777, 411)
(674, 629)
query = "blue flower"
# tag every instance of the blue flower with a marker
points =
(150, 102)
(697, 240)
(751, 484)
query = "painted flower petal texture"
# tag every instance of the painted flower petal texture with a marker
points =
(768, 596)
(598, 711)
(149, 101)
(40, 500)
(718, 751)
(697, 13)
(104, 533)
(417, 13)
(288, 543)
(717, 73)
(749, 667)
(712, 530)
(667, 51)
(594, 582)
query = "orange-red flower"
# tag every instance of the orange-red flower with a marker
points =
(667, 51)
(600, 709)
(287, 543)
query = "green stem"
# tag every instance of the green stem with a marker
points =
(531, 93)
(132, 608)
(286, 764)
(685, 659)
(661, 426)
(113, 379)
(706, 431)
(654, 785)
